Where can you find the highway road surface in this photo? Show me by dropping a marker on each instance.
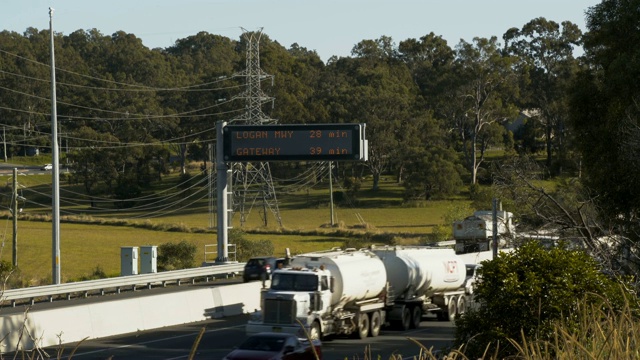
(221, 335)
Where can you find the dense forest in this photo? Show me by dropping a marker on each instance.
(434, 112)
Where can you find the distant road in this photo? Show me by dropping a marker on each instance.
(6, 169)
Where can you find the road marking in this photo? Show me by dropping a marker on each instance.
(151, 342)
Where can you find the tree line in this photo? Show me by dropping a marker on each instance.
(424, 103)
(434, 113)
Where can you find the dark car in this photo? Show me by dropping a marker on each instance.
(259, 268)
(276, 346)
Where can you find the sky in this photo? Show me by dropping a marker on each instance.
(330, 27)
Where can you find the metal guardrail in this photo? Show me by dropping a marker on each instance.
(50, 291)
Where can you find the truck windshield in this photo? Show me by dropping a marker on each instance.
(294, 282)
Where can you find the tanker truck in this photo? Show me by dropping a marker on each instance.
(357, 292)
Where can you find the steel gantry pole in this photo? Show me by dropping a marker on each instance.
(222, 196)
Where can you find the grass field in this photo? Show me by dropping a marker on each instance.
(84, 247)
(305, 227)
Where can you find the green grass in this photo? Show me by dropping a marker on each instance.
(305, 226)
(84, 247)
(31, 160)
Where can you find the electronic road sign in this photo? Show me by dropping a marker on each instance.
(316, 142)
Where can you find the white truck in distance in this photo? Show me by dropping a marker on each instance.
(356, 292)
(475, 233)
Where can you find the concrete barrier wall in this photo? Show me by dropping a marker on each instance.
(73, 323)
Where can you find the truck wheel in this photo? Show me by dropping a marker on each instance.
(406, 319)
(363, 326)
(452, 309)
(416, 317)
(374, 330)
(314, 331)
(461, 305)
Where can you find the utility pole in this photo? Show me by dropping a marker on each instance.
(4, 141)
(212, 198)
(55, 202)
(331, 190)
(495, 228)
(14, 211)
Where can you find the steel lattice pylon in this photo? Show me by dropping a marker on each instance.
(252, 183)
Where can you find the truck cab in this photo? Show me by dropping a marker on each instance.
(296, 296)
(325, 293)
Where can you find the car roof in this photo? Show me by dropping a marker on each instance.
(263, 257)
(273, 335)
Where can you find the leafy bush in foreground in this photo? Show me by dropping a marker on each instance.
(525, 293)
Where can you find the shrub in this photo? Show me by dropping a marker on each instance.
(125, 189)
(97, 273)
(454, 212)
(352, 185)
(524, 293)
(603, 331)
(246, 249)
(354, 242)
(178, 256)
(186, 181)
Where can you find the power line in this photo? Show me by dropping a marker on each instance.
(136, 87)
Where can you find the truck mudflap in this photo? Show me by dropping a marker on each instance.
(255, 327)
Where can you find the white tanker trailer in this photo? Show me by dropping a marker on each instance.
(356, 292)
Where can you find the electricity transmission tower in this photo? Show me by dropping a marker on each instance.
(252, 183)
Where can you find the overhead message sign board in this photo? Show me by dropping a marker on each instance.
(319, 142)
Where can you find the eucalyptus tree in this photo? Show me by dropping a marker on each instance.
(373, 87)
(25, 91)
(606, 113)
(296, 72)
(122, 100)
(94, 159)
(482, 94)
(202, 89)
(430, 60)
(545, 52)
(432, 168)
